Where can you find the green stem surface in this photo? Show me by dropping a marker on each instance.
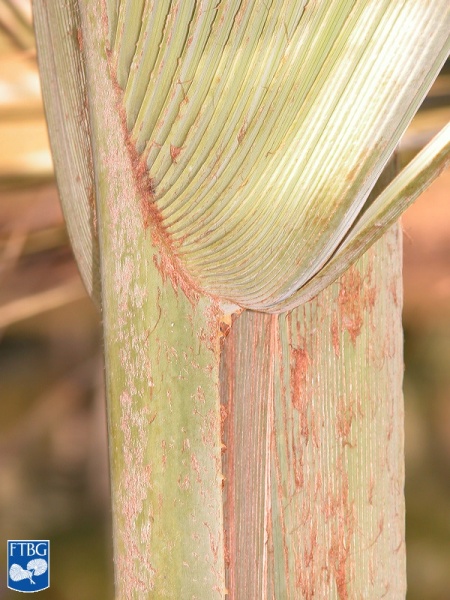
(161, 354)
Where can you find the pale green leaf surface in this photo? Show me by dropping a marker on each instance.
(264, 126)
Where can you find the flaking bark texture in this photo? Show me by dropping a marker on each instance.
(313, 429)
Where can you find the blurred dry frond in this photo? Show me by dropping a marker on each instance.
(31, 223)
(16, 23)
(24, 146)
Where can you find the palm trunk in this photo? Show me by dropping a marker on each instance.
(252, 456)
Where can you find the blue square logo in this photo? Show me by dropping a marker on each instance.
(28, 565)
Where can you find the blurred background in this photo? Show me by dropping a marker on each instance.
(53, 457)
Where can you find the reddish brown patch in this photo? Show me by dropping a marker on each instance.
(93, 207)
(338, 556)
(224, 331)
(339, 552)
(175, 152)
(298, 375)
(146, 205)
(224, 328)
(226, 552)
(335, 335)
(223, 418)
(144, 183)
(299, 369)
(344, 418)
(298, 465)
(341, 534)
(371, 296)
(393, 288)
(80, 39)
(219, 326)
(196, 467)
(350, 304)
(242, 132)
